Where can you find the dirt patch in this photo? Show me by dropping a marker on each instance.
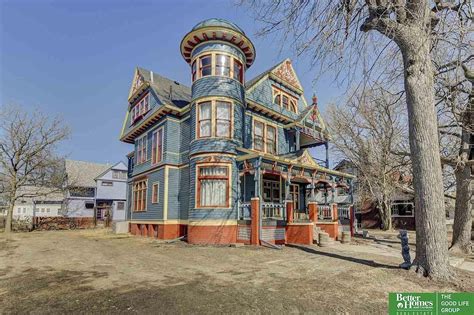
(96, 272)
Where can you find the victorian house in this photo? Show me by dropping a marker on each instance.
(227, 160)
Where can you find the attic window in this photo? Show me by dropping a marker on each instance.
(140, 108)
(285, 100)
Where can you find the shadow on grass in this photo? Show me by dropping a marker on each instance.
(366, 262)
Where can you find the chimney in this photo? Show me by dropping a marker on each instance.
(151, 76)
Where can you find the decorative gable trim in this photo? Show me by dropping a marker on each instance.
(306, 159)
(137, 84)
(287, 75)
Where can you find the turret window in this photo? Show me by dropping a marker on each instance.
(238, 71)
(213, 186)
(217, 64)
(214, 119)
(205, 119)
(223, 65)
(223, 119)
(205, 67)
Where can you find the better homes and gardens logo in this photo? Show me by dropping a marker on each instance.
(431, 303)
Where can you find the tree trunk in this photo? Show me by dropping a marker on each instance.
(462, 213)
(385, 215)
(9, 221)
(431, 234)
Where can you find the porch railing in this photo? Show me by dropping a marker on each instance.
(324, 212)
(343, 212)
(298, 215)
(244, 211)
(273, 210)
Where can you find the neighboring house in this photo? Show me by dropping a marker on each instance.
(38, 202)
(112, 192)
(226, 160)
(81, 187)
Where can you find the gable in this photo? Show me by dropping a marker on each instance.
(285, 73)
(137, 82)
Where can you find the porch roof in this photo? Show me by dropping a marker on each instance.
(302, 160)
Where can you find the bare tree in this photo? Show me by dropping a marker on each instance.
(335, 33)
(28, 143)
(366, 131)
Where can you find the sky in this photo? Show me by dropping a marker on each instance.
(76, 59)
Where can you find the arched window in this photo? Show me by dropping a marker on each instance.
(277, 99)
(293, 106)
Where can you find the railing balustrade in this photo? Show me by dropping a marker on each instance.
(343, 212)
(300, 215)
(273, 210)
(244, 211)
(324, 212)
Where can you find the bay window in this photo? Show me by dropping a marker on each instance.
(157, 146)
(213, 186)
(214, 119)
(139, 195)
(204, 119)
(264, 137)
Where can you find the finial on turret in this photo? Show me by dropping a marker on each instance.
(315, 99)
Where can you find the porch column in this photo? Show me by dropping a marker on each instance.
(255, 208)
(313, 211)
(255, 215)
(335, 216)
(288, 199)
(289, 211)
(351, 219)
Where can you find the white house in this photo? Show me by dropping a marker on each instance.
(81, 187)
(38, 202)
(111, 191)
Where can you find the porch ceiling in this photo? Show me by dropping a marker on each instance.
(250, 155)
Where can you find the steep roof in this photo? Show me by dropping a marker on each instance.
(120, 166)
(169, 91)
(82, 174)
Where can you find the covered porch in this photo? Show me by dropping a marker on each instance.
(276, 192)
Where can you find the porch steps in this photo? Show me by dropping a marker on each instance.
(321, 238)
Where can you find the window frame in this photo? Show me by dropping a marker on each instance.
(107, 183)
(274, 139)
(233, 73)
(292, 104)
(157, 145)
(139, 189)
(142, 148)
(223, 66)
(229, 120)
(201, 67)
(227, 178)
(213, 119)
(155, 194)
(265, 137)
(140, 108)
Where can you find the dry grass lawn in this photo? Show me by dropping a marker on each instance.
(91, 271)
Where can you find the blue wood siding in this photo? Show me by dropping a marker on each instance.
(218, 86)
(154, 211)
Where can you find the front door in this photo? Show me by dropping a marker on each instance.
(295, 195)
